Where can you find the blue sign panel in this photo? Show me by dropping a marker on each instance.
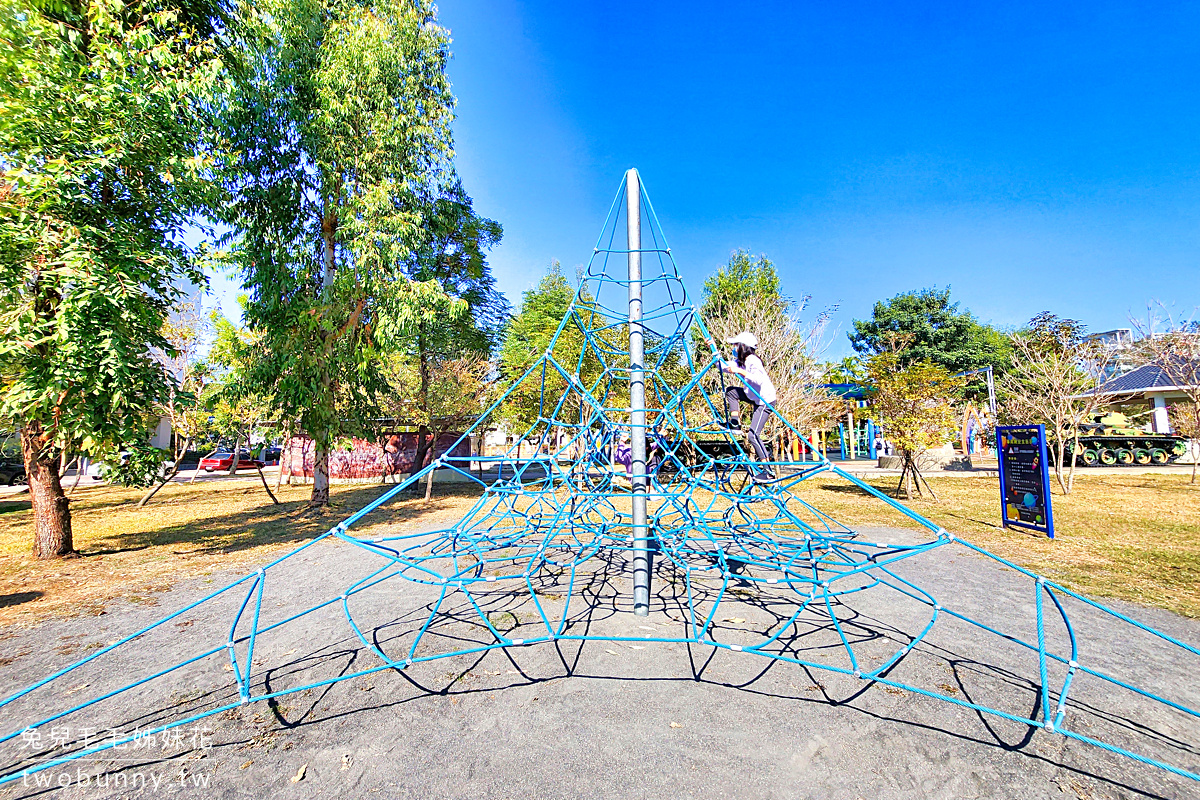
(1024, 478)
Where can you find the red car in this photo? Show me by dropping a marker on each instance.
(225, 460)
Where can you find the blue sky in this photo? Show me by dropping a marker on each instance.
(1030, 159)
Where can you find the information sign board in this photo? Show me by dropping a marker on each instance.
(1024, 478)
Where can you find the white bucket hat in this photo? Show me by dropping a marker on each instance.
(745, 337)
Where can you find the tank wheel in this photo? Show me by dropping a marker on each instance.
(1088, 457)
(1125, 456)
(1141, 456)
(1158, 456)
(1107, 457)
(1179, 448)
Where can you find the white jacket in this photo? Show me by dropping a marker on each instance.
(759, 380)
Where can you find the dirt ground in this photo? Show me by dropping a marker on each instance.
(606, 718)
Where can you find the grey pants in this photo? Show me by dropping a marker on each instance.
(762, 412)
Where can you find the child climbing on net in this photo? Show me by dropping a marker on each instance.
(749, 367)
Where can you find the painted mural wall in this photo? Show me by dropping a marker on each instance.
(365, 459)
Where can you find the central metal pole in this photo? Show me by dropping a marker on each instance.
(637, 398)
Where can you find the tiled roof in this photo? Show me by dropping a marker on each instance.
(1142, 379)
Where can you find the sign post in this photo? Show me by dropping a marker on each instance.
(1024, 478)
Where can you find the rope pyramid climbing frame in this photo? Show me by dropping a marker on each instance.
(680, 536)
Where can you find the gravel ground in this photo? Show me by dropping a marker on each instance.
(605, 719)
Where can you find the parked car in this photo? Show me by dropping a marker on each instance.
(224, 460)
(12, 471)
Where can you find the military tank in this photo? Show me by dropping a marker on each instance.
(1111, 439)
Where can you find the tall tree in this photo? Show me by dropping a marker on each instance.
(746, 294)
(341, 136)
(935, 330)
(451, 351)
(101, 127)
(529, 335)
(1056, 378)
(743, 277)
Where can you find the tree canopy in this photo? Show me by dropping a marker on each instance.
(529, 334)
(746, 294)
(103, 159)
(929, 327)
(339, 135)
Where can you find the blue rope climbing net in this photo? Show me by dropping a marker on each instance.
(552, 533)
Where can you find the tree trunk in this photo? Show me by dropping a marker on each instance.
(197, 472)
(1059, 446)
(78, 475)
(320, 491)
(423, 445)
(429, 485)
(329, 226)
(906, 477)
(267, 487)
(1071, 469)
(51, 508)
(288, 446)
(233, 462)
(170, 475)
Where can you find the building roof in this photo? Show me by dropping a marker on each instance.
(1148, 378)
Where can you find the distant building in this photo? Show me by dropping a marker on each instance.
(1118, 345)
(1152, 384)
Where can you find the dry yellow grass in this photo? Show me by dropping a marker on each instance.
(1134, 537)
(132, 553)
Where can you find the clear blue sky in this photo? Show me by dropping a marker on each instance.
(1029, 158)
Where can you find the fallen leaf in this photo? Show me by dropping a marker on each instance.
(613, 652)
(345, 761)
(647, 627)
(676, 725)
(636, 647)
(512, 672)
(289, 652)
(489, 672)
(78, 688)
(735, 620)
(229, 668)
(299, 776)
(245, 764)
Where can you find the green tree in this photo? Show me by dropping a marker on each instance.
(914, 402)
(185, 331)
(746, 294)
(444, 353)
(439, 395)
(932, 328)
(236, 408)
(341, 139)
(742, 277)
(1056, 378)
(102, 159)
(528, 337)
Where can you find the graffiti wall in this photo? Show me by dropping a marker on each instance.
(393, 455)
